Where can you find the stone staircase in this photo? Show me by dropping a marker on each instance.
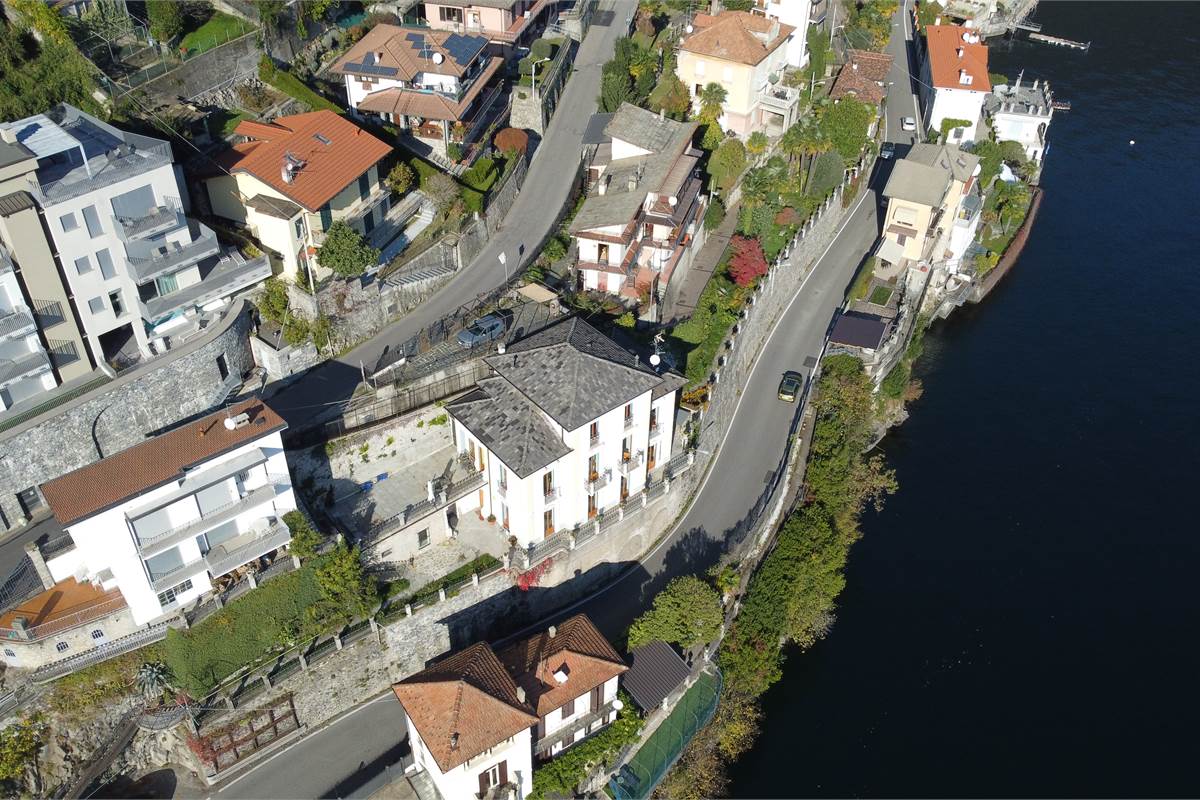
(422, 784)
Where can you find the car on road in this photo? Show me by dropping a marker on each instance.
(481, 331)
(908, 124)
(790, 386)
(887, 150)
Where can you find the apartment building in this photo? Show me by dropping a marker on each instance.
(478, 719)
(954, 80)
(795, 13)
(568, 428)
(927, 197)
(135, 275)
(747, 55)
(643, 219)
(437, 86)
(290, 179)
(503, 22)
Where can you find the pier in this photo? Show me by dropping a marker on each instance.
(1058, 41)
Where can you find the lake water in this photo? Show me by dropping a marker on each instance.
(1021, 618)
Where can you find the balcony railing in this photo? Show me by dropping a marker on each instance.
(62, 352)
(161, 218)
(587, 722)
(597, 481)
(48, 313)
(60, 624)
(149, 264)
(628, 421)
(594, 440)
(255, 497)
(23, 366)
(655, 430)
(630, 463)
(16, 323)
(242, 549)
(780, 98)
(551, 495)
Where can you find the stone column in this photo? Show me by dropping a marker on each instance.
(39, 564)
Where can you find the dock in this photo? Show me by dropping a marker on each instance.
(1058, 41)
(1061, 105)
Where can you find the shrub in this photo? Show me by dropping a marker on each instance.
(561, 776)
(748, 263)
(714, 215)
(896, 381)
(305, 538)
(687, 612)
(345, 251)
(401, 177)
(827, 171)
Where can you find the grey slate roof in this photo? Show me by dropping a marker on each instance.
(665, 138)
(958, 163)
(573, 372)
(655, 670)
(12, 153)
(595, 133)
(274, 206)
(856, 329)
(508, 425)
(917, 182)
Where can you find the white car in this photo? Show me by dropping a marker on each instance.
(908, 124)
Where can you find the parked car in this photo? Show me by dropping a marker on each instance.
(790, 386)
(481, 331)
(908, 124)
(887, 150)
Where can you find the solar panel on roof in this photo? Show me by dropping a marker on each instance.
(461, 48)
(417, 40)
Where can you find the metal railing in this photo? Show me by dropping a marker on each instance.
(159, 262)
(52, 627)
(257, 496)
(566, 734)
(104, 652)
(550, 495)
(23, 366)
(167, 215)
(141, 158)
(17, 322)
(630, 464)
(221, 561)
(48, 313)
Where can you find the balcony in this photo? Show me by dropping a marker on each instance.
(48, 313)
(551, 495)
(502, 490)
(62, 352)
(780, 99)
(655, 430)
(590, 722)
(149, 263)
(162, 218)
(594, 440)
(630, 463)
(231, 275)
(215, 517)
(597, 481)
(16, 324)
(628, 422)
(246, 547)
(25, 366)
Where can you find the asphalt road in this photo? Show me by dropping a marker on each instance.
(528, 221)
(345, 750)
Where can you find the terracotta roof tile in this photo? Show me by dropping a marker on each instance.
(64, 605)
(154, 462)
(409, 52)
(950, 54)
(328, 168)
(853, 83)
(428, 105)
(577, 649)
(873, 66)
(464, 704)
(736, 36)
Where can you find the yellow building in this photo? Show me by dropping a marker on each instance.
(743, 53)
(289, 180)
(923, 193)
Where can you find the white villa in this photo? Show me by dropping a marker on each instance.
(569, 426)
(1021, 113)
(954, 80)
(477, 720)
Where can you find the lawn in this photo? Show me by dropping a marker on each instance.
(295, 88)
(862, 281)
(223, 122)
(701, 336)
(216, 31)
(880, 295)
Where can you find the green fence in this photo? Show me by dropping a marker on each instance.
(637, 779)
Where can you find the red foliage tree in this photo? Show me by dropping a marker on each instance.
(532, 577)
(748, 263)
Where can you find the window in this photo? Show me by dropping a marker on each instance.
(450, 14)
(61, 647)
(222, 366)
(106, 264)
(167, 284)
(698, 90)
(114, 300)
(8, 652)
(68, 222)
(594, 431)
(593, 466)
(503, 478)
(423, 538)
(92, 219)
(592, 508)
(82, 265)
(299, 223)
(548, 483)
(98, 634)
(326, 217)
(653, 418)
(699, 68)
(568, 709)
(364, 186)
(96, 305)
(492, 777)
(548, 522)
(170, 595)
(504, 515)
(626, 449)
(30, 500)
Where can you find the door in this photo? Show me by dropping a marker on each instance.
(592, 508)
(651, 452)
(624, 488)
(597, 695)
(548, 522)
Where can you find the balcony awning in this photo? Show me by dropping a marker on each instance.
(890, 250)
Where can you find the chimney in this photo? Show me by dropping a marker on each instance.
(21, 626)
(521, 693)
(430, 490)
(854, 65)
(1035, 84)
(553, 631)
(454, 741)
(39, 565)
(959, 51)
(632, 183)
(8, 135)
(937, 20)
(602, 187)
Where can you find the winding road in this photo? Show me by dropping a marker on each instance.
(346, 758)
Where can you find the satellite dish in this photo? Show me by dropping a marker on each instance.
(689, 28)
(618, 705)
(230, 424)
(438, 58)
(672, 201)
(655, 360)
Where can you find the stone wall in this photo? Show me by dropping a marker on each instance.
(184, 383)
(506, 194)
(207, 70)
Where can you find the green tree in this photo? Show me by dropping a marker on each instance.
(670, 96)
(757, 143)
(346, 590)
(400, 178)
(615, 89)
(687, 613)
(166, 18)
(712, 99)
(305, 538)
(345, 251)
(36, 76)
(711, 137)
(845, 125)
(273, 303)
(727, 163)
(20, 746)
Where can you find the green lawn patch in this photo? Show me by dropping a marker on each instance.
(216, 31)
(430, 590)
(880, 295)
(862, 281)
(295, 88)
(701, 336)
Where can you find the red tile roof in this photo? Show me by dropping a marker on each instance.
(950, 54)
(64, 605)
(428, 105)
(576, 649)
(390, 46)
(154, 462)
(464, 704)
(736, 36)
(328, 168)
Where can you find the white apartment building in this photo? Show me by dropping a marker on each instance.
(1021, 113)
(141, 275)
(796, 14)
(954, 80)
(162, 520)
(25, 369)
(477, 720)
(569, 426)
(643, 219)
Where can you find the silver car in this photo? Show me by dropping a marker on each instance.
(908, 124)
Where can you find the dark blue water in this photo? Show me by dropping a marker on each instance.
(1022, 618)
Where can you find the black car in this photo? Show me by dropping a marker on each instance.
(887, 150)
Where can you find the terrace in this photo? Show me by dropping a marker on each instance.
(66, 605)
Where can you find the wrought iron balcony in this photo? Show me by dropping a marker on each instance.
(630, 462)
(551, 495)
(597, 481)
(48, 313)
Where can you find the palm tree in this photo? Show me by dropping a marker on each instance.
(152, 679)
(712, 98)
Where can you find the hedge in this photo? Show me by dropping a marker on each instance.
(270, 618)
(429, 590)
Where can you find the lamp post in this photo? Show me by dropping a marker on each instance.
(533, 73)
(504, 263)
